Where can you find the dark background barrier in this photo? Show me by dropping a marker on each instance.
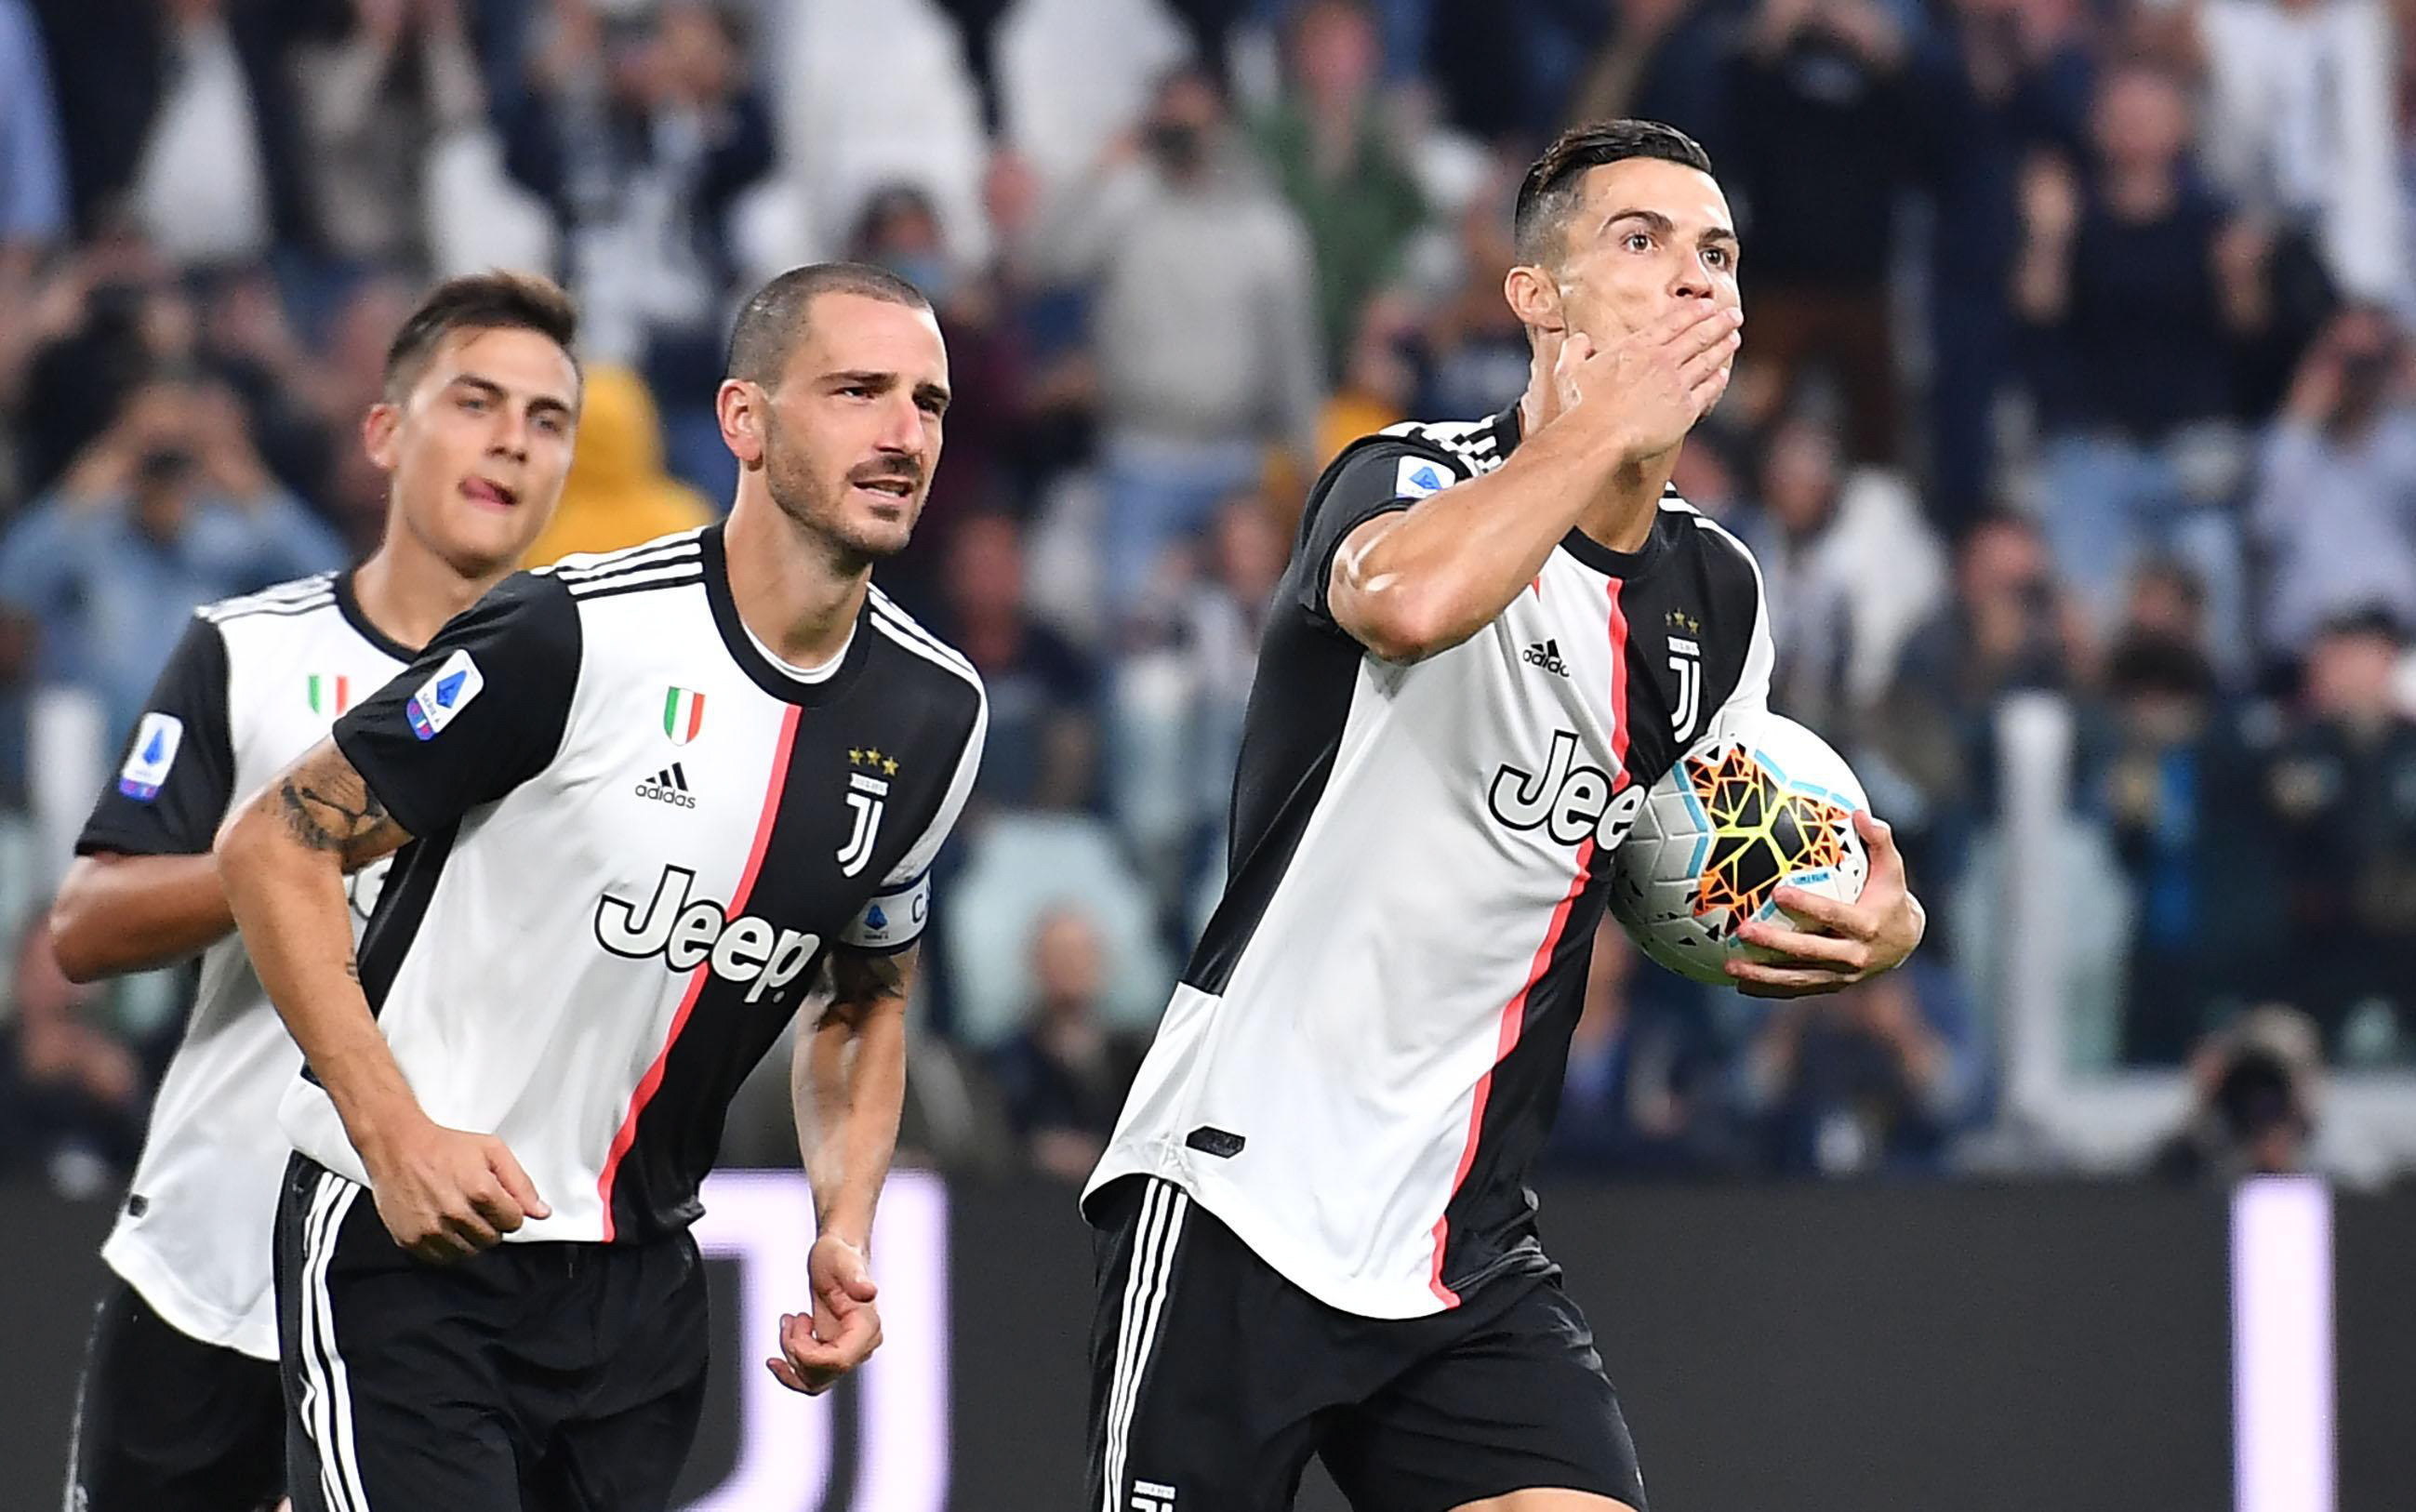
(1908, 1347)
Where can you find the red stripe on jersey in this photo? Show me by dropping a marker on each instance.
(1514, 1019)
(704, 973)
(1618, 690)
(1514, 1013)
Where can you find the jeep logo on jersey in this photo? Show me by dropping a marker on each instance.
(1569, 801)
(690, 934)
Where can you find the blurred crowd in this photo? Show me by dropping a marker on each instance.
(2076, 363)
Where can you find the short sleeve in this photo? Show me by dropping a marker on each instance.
(480, 712)
(894, 917)
(177, 775)
(1368, 480)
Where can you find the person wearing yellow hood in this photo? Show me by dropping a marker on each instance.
(618, 494)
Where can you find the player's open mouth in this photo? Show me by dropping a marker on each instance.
(493, 495)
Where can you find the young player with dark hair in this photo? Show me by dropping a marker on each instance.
(1315, 1236)
(658, 804)
(180, 1407)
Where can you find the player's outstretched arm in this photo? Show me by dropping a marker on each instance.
(442, 1193)
(847, 1081)
(117, 913)
(1413, 583)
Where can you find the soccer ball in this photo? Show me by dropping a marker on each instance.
(1739, 815)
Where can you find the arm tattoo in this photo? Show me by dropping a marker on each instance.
(335, 810)
(860, 979)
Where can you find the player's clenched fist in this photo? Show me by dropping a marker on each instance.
(843, 1329)
(1655, 382)
(445, 1193)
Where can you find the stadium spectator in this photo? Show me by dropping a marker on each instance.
(1849, 567)
(617, 493)
(2335, 504)
(2255, 1086)
(1335, 156)
(1642, 1093)
(1174, 729)
(73, 1095)
(379, 88)
(2177, 790)
(2298, 126)
(216, 173)
(641, 136)
(1042, 751)
(33, 182)
(1998, 78)
(1662, 60)
(1065, 1074)
(102, 319)
(1868, 1081)
(1204, 325)
(2139, 287)
(1475, 354)
(2007, 627)
(2336, 791)
(171, 508)
(1820, 126)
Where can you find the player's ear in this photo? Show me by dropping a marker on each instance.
(380, 431)
(740, 406)
(1534, 298)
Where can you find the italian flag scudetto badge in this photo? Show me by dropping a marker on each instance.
(330, 695)
(683, 714)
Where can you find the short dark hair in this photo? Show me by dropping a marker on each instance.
(491, 301)
(1549, 190)
(772, 322)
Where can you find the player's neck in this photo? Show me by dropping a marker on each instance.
(409, 591)
(1621, 514)
(797, 595)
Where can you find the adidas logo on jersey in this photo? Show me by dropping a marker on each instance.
(1546, 655)
(746, 949)
(669, 785)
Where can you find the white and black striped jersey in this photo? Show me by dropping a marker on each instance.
(636, 837)
(1366, 1049)
(255, 682)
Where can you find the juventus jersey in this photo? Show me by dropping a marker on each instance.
(636, 836)
(255, 682)
(1367, 1048)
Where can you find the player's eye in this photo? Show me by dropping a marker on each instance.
(550, 423)
(1638, 241)
(473, 403)
(930, 406)
(1716, 256)
(857, 392)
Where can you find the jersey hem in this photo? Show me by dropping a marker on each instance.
(139, 1267)
(1266, 1238)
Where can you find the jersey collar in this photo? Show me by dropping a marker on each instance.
(1626, 565)
(741, 645)
(347, 604)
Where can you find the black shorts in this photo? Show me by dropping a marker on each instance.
(165, 1423)
(1214, 1379)
(530, 1378)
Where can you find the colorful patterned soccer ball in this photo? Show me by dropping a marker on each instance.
(1737, 816)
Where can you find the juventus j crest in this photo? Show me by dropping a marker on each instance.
(868, 793)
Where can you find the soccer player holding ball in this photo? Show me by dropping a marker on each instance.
(1495, 637)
